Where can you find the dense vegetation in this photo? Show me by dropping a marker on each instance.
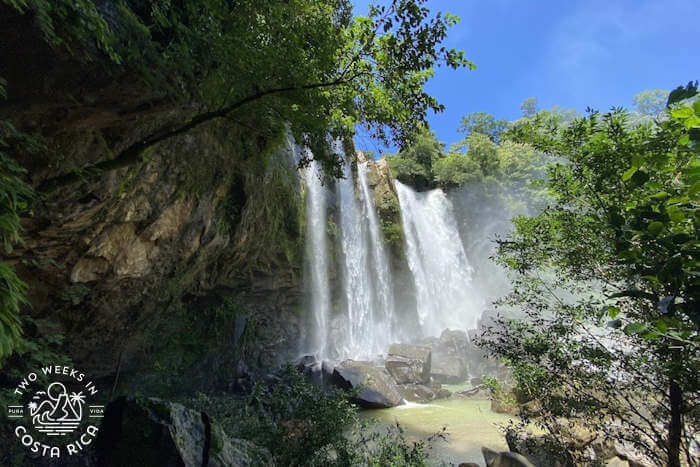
(301, 424)
(607, 274)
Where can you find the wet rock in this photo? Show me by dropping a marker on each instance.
(443, 393)
(417, 392)
(449, 356)
(310, 367)
(378, 388)
(504, 459)
(153, 432)
(408, 363)
(449, 370)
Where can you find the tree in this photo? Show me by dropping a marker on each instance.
(529, 107)
(483, 123)
(650, 102)
(414, 164)
(617, 243)
(308, 66)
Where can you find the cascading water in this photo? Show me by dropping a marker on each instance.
(357, 340)
(317, 254)
(383, 311)
(436, 257)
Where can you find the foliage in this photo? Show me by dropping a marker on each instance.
(301, 424)
(457, 169)
(483, 123)
(651, 101)
(309, 65)
(15, 197)
(618, 242)
(76, 26)
(192, 340)
(414, 164)
(529, 107)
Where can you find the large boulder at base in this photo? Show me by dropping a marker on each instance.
(449, 370)
(408, 363)
(153, 432)
(378, 389)
(449, 356)
(504, 459)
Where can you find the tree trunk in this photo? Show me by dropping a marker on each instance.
(675, 428)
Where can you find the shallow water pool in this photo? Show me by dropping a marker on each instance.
(470, 424)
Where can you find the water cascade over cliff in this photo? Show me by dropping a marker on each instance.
(317, 254)
(383, 303)
(353, 311)
(445, 297)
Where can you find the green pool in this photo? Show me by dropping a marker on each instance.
(470, 424)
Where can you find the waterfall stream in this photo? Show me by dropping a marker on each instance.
(356, 274)
(438, 262)
(383, 310)
(317, 256)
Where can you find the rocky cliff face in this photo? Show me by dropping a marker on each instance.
(202, 239)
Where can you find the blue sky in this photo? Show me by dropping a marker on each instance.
(573, 53)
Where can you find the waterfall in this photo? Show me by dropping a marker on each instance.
(441, 271)
(383, 310)
(357, 339)
(317, 256)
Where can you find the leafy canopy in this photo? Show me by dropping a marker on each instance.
(618, 242)
(308, 66)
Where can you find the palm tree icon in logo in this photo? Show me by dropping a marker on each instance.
(54, 412)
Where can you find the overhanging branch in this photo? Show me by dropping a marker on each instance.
(133, 153)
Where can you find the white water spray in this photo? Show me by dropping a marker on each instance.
(357, 340)
(317, 254)
(436, 257)
(383, 310)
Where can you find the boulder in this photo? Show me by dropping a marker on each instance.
(153, 432)
(449, 356)
(443, 393)
(377, 389)
(310, 367)
(408, 363)
(448, 369)
(417, 392)
(541, 450)
(504, 459)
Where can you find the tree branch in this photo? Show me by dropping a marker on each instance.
(132, 154)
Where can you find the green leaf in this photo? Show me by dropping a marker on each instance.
(692, 122)
(613, 311)
(655, 228)
(660, 195)
(682, 112)
(675, 214)
(640, 177)
(635, 328)
(696, 107)
(694, 190)
(628, 174)
(677, 200)
(661, 325)
(684, 140)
